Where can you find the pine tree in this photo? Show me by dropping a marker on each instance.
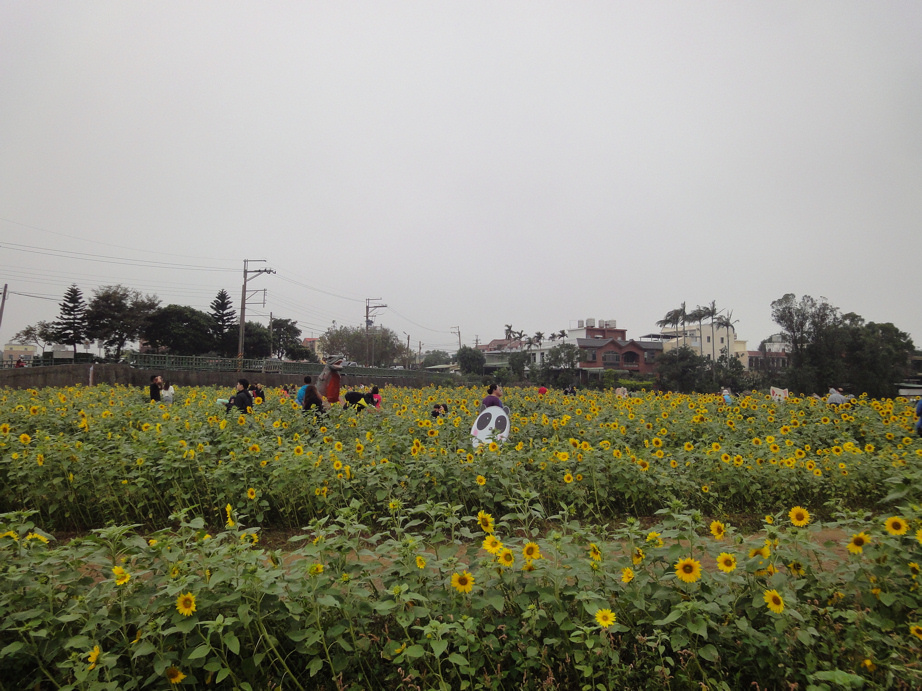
(223, 314)
(70, 328)
(224, 322)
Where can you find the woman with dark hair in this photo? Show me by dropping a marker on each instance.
(493, 397)
(312, 399)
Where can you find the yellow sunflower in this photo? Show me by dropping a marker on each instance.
(481, 480)
(858, 542)
(627, 574)
(726, 562)
(774, 601)
(896, 525)
(420, 562)
(594, 553)
(688, 570)
(251, 493)
(799, 516)
(185, 604)
(505, 557)
(121, 576)
(718, 530)
(531, 551)
(174, 676)
(485, 521)
(92, 657)
(604, 618)
(491, 544)
(462, 582)
(916, 631)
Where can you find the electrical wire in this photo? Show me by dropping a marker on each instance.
(124, 261)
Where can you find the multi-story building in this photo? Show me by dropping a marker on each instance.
(707, 340)
(602, 347)
(13, 351)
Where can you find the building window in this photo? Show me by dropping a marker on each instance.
(709, 339)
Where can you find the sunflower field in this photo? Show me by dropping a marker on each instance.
(657, 541)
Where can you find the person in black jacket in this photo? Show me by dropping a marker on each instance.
(242, 400)
(156, 381)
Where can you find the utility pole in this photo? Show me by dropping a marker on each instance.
(243, 304)
(457, 329)
(3, 302)
(408, 348)
(271, 349)
(369, 311)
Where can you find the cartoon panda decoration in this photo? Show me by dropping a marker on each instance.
(492, 424)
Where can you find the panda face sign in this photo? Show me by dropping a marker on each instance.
(491, 425)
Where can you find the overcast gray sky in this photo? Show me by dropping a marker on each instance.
(471, 164)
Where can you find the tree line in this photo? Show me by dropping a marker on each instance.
(117, 315)
(825, 348)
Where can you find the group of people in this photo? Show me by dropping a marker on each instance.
(161, 391)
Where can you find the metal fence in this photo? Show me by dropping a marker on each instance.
(263, 365)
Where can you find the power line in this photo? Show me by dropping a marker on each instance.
(99, 242)
(440, 331)
(124, 261)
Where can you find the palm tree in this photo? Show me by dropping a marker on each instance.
(562, 333)
(538, 337)
(672, 319)
(509, 332)
(712, 315)
(726, 321)
(683, 316)
(699, 314)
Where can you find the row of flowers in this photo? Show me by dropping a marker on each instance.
(468, 601)
(86, 457)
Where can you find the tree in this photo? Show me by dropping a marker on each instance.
(286, 337)
(877, 357)
(117, 315)
(509, 332)
(70, 328)
(538, 339)
(382, 344)
(471, 360)
(433, 358)
(682, 370)
(564, 356)
(179, 329)
(699, 314)
(517, 364)
(40, 334)
(256, 342)
(225, 327)
(814, 330)
(672, 319)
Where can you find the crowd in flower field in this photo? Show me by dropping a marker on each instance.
(653, 541)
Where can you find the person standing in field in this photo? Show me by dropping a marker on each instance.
(156, 381)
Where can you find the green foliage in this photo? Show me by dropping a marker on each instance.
(256, 342)
(517, 363)
(435, 357)
(829, 349)
(180, 330)
(117, 315)
(286, 337)
(376, 347)
(70, 328)
(470, 360)
(384, 509)
(683, 370)
(40, 334)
